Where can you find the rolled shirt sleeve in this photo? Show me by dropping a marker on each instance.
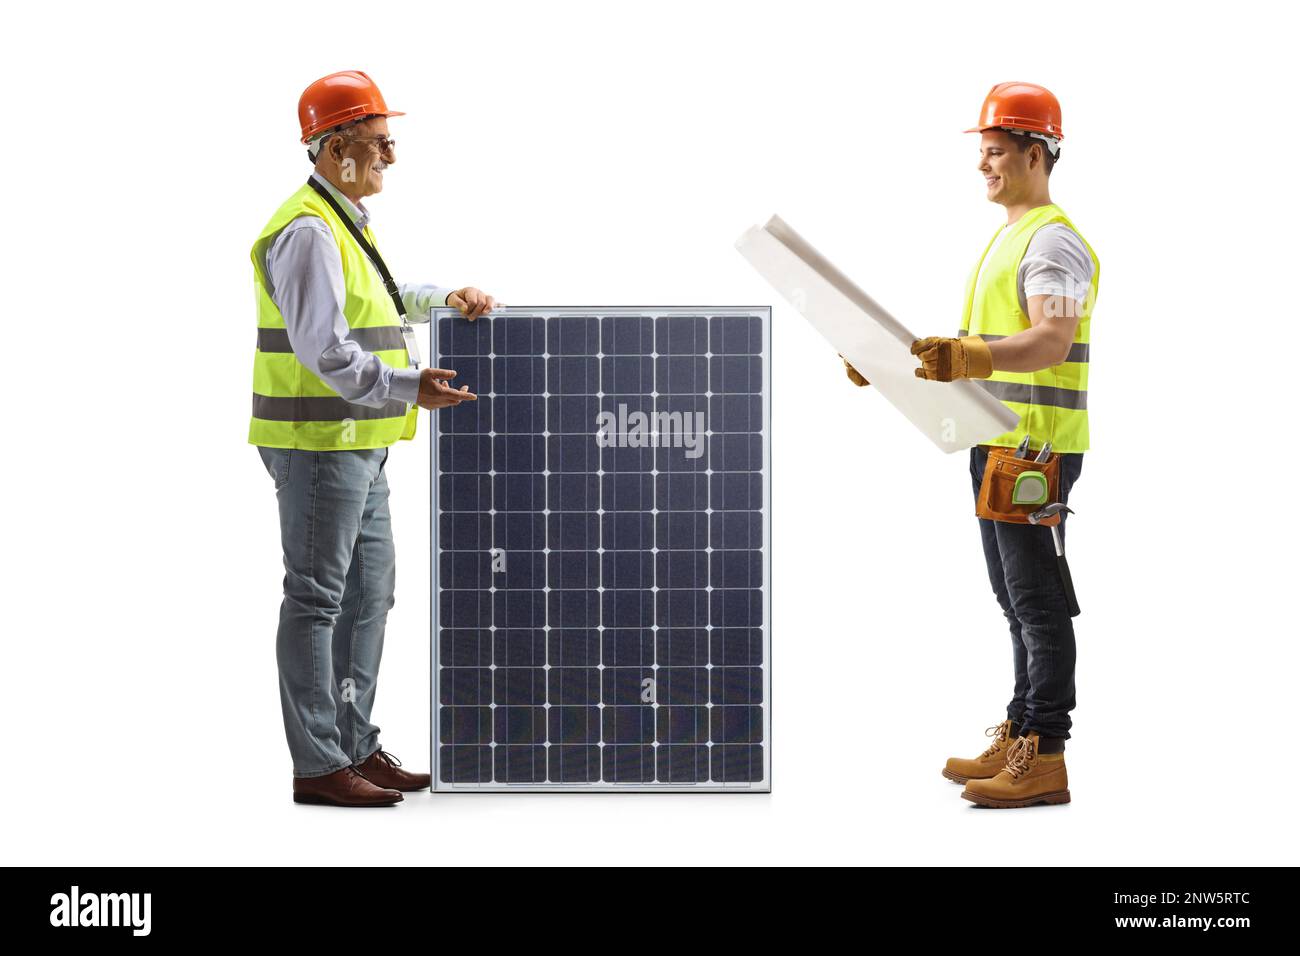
(1056, 262)
(419, 298)
(306, 273)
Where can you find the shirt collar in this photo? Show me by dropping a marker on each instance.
(357, 212)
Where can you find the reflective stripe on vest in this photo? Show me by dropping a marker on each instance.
(292, 406)
(371, 340)
(302, 409)
(1052, 402)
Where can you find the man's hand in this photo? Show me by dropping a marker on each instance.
(472, 302)
(854, 375)
(436, 393)
(946, 360)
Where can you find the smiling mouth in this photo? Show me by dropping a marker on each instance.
(992, 180)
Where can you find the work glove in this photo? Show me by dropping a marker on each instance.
(946, 360)
(854, 375)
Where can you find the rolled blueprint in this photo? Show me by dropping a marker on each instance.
(953, 415)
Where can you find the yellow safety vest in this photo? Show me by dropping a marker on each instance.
(1052, 402)
(292, 407)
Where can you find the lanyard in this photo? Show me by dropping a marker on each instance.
(408, 333)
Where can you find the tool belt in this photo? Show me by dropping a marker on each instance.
(1013, 488)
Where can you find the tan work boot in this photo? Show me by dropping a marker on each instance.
(1028, 778)
(987, 764)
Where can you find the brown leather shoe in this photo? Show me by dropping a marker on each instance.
(343, 788)
(384, 770)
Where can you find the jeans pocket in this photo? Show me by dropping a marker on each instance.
(277, 464)
(286, 457)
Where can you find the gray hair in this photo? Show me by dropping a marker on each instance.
(317, 142)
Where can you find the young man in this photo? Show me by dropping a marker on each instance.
(335, 382)
(1024, 336)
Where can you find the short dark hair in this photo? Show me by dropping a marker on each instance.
(1024, 142)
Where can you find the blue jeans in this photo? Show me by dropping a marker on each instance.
(1021, 561)
(338, 587)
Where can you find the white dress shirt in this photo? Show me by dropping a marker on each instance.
(305, 269)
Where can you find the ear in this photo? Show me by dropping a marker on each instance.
(321, 163)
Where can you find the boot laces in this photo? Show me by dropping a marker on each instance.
(996, 732)
(1020, 757)
(388, 758)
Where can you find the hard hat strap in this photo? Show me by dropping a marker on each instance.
(1053, 144)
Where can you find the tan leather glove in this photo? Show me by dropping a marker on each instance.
(854, 375)
(946, 360)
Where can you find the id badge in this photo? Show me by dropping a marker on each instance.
(412, 346)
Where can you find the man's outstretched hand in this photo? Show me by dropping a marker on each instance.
(472, 302)
(946, 360)
(436, 393)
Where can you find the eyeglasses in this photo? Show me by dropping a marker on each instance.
(382, 143)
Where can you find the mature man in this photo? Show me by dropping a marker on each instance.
(1024, 336)
(336, 379)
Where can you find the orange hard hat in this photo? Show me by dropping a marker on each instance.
(337, 99)
(1022, 106)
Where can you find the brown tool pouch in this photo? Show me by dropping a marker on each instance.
(998, 486)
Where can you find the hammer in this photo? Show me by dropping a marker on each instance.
(1043, 514)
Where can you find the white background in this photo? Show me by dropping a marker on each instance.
(566, 154)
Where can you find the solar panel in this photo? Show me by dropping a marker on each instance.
(601, 551)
